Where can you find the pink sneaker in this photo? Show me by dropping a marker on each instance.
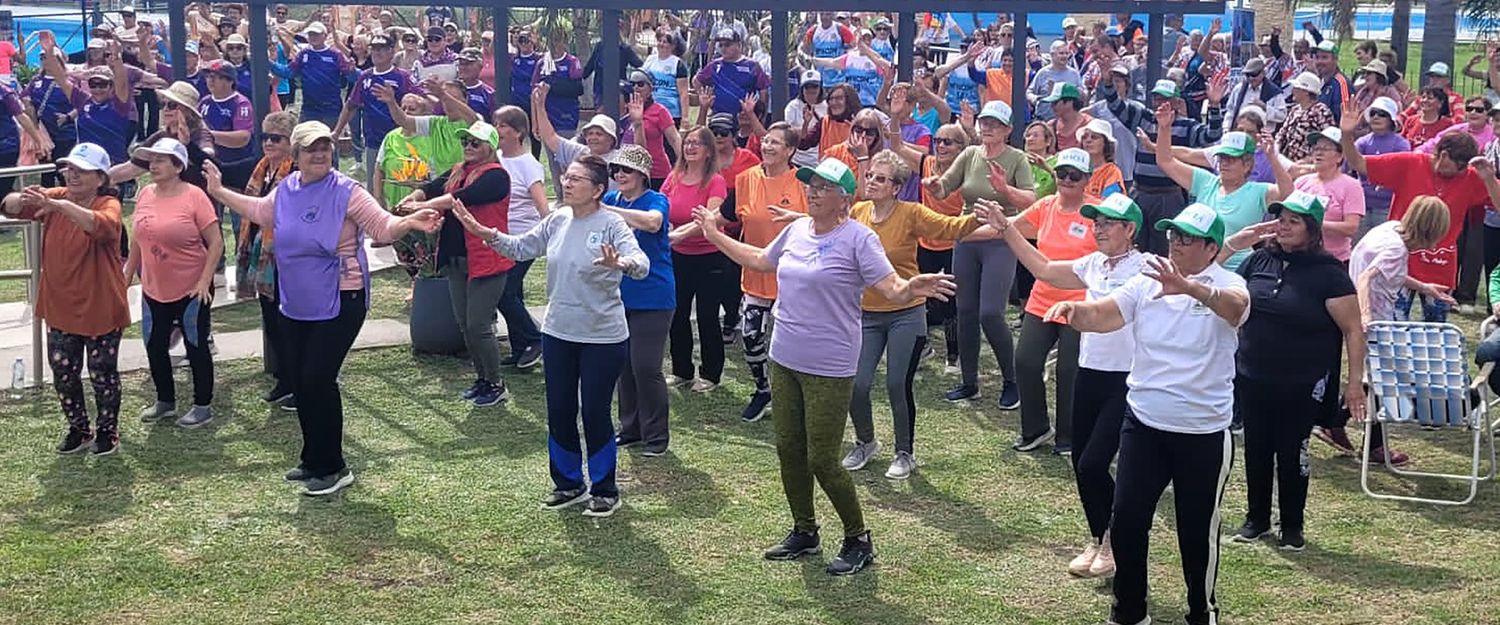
(1395, 459)
(1337, 438)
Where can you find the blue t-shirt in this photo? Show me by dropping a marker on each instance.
(561, 110)
(241, 80)
(733, 81)
(658, 290)
(664, 74)
(377, 118)
(10, 133)
(53, 107)
(321, 72)
(521, 70)
(884, 48)
(481, 99)
(962, 88)
(106, 123)
(232, 113)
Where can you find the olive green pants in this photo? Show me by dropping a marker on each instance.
(809, 413)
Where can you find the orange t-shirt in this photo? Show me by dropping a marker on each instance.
(997, 85)
(1105, 180)
(82, 289)
(1060, 236)
(953, 205)
(833, 133)
(753, 192)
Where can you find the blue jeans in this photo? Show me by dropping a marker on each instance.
(518, 322)
(1433, 310)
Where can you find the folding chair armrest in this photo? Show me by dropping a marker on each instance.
(1481, 381)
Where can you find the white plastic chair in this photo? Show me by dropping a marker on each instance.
(1417, 376)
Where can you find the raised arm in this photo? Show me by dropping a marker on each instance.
(1349, 123)
(541, 121)
(1173, 168)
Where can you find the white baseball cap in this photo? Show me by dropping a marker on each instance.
(315, 27)
(86, 156)
(166, 146)
(996, 110)
(1075, 158)
(811, 76)
(1308, 81)
(1438, 69)
(1069, 22)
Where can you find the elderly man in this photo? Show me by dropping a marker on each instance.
(1058, 71)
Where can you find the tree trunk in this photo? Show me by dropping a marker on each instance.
(1441, 31)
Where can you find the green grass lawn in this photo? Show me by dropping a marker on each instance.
(443, 527)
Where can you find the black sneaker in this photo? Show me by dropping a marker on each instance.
(289, 404)
(105, 445)
(795, 545)
(1291, 540)
(1010, 396)
(756, 409)
(491, 394)
(601, 506)
(857, 553)
(530, 357)
(299, 474)
(655, 451)
(1030, 444)
(277, 393)
(962, 392)
(560, 499)
(473, 391)
(622, 441)
(511, 360)
(328, 484)
(1062, 449)
(74, 442)
(1251, 532)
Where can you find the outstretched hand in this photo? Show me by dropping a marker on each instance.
(212, 175)
(939, 286)
(1173, 282)
(467, 220)
(610, 257)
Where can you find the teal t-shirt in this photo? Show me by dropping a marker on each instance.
(1244, 207)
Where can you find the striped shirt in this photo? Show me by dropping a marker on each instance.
(1186, 132)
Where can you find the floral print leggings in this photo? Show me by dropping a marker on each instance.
(66, 354)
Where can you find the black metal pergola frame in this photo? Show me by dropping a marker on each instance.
(906, 11)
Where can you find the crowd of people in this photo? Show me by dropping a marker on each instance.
(1191, 258)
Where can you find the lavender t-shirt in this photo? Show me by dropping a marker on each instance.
(820, 280)
(1382, 250)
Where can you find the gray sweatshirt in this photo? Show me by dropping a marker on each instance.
(583, 299)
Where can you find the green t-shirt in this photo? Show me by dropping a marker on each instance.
(1042, 177)
(436, 142)
(1244, 207)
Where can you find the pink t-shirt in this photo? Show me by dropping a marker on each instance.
(364, 214)
(683, 199)
(7, 52)
(1343, 197)
(1383, 250)
(169, 231)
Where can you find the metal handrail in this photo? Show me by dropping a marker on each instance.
(32, 245)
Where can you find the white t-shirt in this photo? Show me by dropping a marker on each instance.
(1382, 249)
(795, 116)
(524, 171)
(1110, 351)
(1182, 379)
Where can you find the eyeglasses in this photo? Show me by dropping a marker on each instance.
(471, 142)
(1180, 238)
(170, 106)
(1070, 174)
(945, 142)
(409, 40)
(880, 178)
(866, 130)
(98, 84)
(273, 138)
(577, 179)
(1101, 222)
(822, 189)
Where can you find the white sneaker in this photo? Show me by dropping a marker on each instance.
(1080, 565)
(703, 386)
(902, 467)
(861, 455)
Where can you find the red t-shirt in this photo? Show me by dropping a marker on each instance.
(656, 120)
(1410, 174)
(682, 199)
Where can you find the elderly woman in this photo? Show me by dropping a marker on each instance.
(1384, 120)
(652, 126)
(1097, 139)
(586, 335)
(1098, 399)
(1238, 200)
(476, 274)
(1343, 200)
(897, 329)
(1476, 123)
(321, 218)
(256, 250)
(822, 266)
(175, 248)
(1303, 314)
(1305, 116)
(600, 136)
(701, 270)
(180, 120)
(649, 303)
(985, 267)
(1434, 115)
(82, 292)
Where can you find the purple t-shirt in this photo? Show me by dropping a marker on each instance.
(322, 74)
(104, 123)
(821, 279)
(481, 99)
(733, 81)
(232, 113)
(561, 110)
(10, 135)
(1378, 198)
(912, 133)
(378, 122)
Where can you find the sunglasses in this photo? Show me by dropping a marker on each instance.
(432, 39)
(945, 142)
(880, 178)
(1070, 174)
(98, 84)
(615, 170)
(409, 40)
(722, 132)
(640, 84)
(1252, 74)
(170, 106)
(272, 137)
(1476, 109)
(866, 130)
(470, 142)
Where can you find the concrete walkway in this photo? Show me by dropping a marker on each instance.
(15, 330)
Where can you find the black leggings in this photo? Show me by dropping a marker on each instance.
(940, 313)
(315, 351)
(1098, 410)
(703, 281)
(1278, 421)
(192, 316)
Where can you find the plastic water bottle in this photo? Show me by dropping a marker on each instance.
(18, 379)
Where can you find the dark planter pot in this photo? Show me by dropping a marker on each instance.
(433, 327)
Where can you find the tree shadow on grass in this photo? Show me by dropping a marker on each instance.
(79, 491)
(359, 532)
(854, 599)
(968, 523)
(1365, 570)
(611, 546)
(1343, 473)
(689, 491)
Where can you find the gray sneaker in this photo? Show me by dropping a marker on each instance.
(196, 417)
(901, 467)
(158, 411)
(861, 455)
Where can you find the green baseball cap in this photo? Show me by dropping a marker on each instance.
(1166, 88)
(1063, 91)
(483, 132)
(1302, 203)
(1234, 144)
(832, 170)
(1116, 206)
(1196, 220)
(1327, 45)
